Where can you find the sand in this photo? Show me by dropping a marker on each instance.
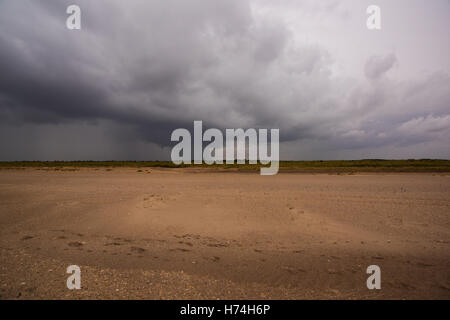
(198, 234)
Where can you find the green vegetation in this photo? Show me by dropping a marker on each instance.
(334, 166)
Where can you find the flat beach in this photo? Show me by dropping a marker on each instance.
(163, 233)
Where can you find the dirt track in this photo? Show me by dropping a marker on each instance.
(178, 233)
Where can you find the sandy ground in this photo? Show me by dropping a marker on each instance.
(186, 234)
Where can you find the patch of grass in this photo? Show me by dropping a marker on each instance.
(333, 166)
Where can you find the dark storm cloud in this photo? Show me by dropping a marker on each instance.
(114, 70)
(139, 69)
(157, 65)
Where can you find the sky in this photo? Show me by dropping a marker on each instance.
(138, 69)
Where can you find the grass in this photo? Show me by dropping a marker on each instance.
(333, 166)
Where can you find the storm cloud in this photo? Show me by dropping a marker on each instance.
(139, 69)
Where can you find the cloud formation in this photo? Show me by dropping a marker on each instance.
(139, 69)
(376, 66)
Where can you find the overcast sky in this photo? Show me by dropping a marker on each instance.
(139, 69)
